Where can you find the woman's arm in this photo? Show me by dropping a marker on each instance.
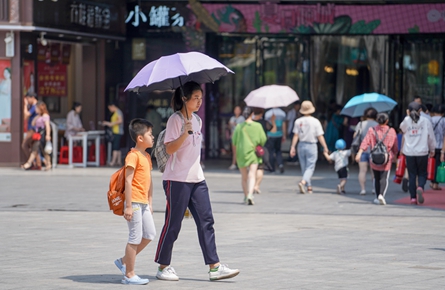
(323, 143)
(48, 129)
(173, 146)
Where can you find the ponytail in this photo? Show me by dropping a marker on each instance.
(415, 116)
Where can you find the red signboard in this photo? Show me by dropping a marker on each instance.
(51, 79)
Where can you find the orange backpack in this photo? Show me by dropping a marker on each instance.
(116, 194)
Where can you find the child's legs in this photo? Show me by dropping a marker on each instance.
(251, 178)
(201, 210)
(134, 239)
(244, 176)
(178, 197)
(343, 183)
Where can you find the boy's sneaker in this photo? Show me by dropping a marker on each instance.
(413, 201)
(343, 192)
(222, 272)
(419, 193)
(120, 266)
(168, 274)
(405, 184)
(363, 192)
(381, 199)
(135, 280)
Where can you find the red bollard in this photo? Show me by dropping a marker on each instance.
(431, 169)
(400, 169)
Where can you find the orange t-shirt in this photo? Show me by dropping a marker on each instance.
(142, 175)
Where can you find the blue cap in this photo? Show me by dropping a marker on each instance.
(340, 144)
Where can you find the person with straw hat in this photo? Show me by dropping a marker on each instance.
(307, 132)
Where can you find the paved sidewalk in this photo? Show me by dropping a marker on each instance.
(57, 233)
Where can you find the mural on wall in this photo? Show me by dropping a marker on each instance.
(318, 19)
(5, 100)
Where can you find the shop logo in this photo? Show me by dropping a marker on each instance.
(435, 15)
(137, 13)
(160, 16)
(92, 16)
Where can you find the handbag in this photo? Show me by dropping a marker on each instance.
(440, 173)
(259, 150)
(36, 136)
(48, 147)
(357, 140)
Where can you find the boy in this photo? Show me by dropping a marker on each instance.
(138, 200)
(340, 157)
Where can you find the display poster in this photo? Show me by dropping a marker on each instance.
(28, 77)
(5, 100)
(51, 80)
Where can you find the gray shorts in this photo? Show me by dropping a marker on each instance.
(141, 225)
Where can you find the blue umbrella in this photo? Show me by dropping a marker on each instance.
(356, 106)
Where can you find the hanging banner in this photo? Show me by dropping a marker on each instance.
(269, 17)
(51, 80)
(5, 100)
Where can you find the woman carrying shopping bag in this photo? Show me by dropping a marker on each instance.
(419, 143)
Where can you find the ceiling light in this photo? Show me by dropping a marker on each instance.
(42, 39)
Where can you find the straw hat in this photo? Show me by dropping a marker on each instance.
(307, 108)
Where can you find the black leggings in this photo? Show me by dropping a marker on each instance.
(417, 169)
(381, 182)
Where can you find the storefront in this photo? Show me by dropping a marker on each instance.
(328, 53)
(61, 55)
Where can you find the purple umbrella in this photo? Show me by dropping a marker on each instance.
(171, 71)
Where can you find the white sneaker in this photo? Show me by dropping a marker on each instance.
(338, 189)
(363, 192)
(168, 274)
(250, 199)
(232, 167)
(222, 272)
(376, 201)
(135, 280)
(381, 199)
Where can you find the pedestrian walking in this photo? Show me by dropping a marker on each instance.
(138, 209)
(340, 158)
(236, 119)
(291, 116)
(419, 142)
(307, 132)
(388, 138)
(258, 116)
(362, 128)
(29, 113)
(274, 139)
(185, 186)
(438, 119)
(247, 136)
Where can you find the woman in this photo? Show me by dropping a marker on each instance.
(42, 126)
(236, 119)
(381, 172)
(307, 131)
(439, 133)
(247, 136)
(362, 128)
(73, 122)
(334, 130)
(185, 186)
(117, 127)
(258, 116)
(419, 142)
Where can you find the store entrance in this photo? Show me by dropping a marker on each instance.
(256, 61)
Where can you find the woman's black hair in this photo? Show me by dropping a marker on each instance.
(441, 109)
(414, 111)
(382, 118)
(76, 104)
(188, 89)
(370, 113)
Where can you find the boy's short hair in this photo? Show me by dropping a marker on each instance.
(138, 127)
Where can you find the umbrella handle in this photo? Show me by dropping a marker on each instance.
(183, 96)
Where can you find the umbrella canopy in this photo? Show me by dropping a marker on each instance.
(356, 106)
(169, 72)
(271, 96)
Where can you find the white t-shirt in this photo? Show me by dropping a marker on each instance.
(340, 158)
(308, 129)
(184, 165)
(419, 137)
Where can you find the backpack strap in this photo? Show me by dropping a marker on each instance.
(435, 126)
(377, 136)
